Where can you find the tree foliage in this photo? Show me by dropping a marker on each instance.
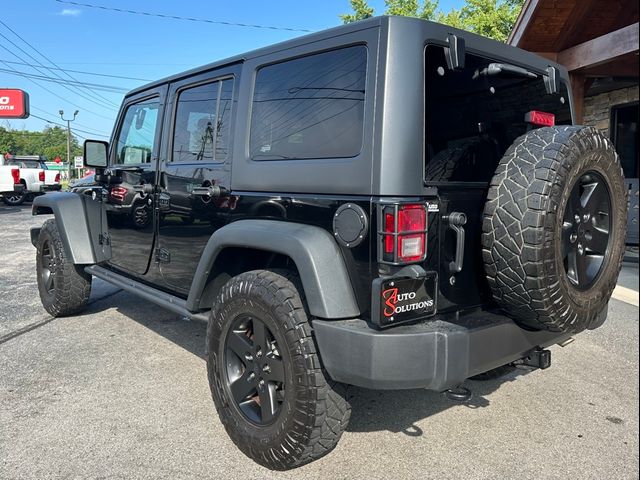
(490, 18)
(51, 142)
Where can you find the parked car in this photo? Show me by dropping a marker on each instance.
(34, 175)
(395, 204)
(126, 205)
(10, 181)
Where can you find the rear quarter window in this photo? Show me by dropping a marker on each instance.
(310, 107)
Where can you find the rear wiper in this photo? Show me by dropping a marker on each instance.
(494, 69)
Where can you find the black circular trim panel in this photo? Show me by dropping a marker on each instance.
(350, 225)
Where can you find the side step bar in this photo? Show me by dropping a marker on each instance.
(163, 299)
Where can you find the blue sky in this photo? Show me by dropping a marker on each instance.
(81, 39)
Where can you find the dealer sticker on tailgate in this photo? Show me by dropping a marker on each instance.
(407, 299)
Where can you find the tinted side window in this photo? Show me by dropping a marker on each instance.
(310, 107)
(202, 125)
(138, 132)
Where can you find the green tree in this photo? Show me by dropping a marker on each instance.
(491, 18)
(361, 10)
(51, 142)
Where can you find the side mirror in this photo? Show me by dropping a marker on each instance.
(95, 153)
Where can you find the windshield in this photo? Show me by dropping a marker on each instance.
(473, 115)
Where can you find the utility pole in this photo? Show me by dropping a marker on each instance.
(68, 120)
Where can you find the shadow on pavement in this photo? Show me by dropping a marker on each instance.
(8, 209)
(372, 410)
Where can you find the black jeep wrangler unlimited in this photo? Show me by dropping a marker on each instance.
(391, 204)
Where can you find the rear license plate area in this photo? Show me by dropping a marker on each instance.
(404, 299)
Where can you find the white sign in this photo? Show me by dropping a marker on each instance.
(78, 162)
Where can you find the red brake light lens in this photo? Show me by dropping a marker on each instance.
(541, 119)
(389, 227)
(41, 175)
(15, 173)
(118, 193)
(57, 179)
(407, 243)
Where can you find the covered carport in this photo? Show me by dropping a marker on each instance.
(598, 44)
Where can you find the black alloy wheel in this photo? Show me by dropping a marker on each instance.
(63, 286)
(585, 230)
(14, 199)
(47, 268)
(255, 373)
(271, 392)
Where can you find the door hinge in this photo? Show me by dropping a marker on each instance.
(162, 255)
(104, 239)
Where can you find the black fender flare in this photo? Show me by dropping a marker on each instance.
(316, 254)
(80, 220)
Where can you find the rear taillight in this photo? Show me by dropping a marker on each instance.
(57, 178)
(118, 193)
(41, 175)
(404, 234)
(15, 173)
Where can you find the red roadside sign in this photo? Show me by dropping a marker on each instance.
(14, 103)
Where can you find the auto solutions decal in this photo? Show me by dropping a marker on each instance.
(406, 299)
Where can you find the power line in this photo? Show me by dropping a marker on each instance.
(63, 82)
(62, 98)
(80, 93)
(45, 112)
(189, 19)
(94, 95)
(80, 71)
(64, 126)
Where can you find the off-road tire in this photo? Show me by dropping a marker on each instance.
(314, 413)
(71, 285)
(523, 221)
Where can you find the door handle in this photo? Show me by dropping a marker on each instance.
(212, 191)
(456, 222)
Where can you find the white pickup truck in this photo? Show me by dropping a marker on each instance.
(35, 176)
(10, 181)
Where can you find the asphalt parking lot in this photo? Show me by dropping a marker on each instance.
(120, 392)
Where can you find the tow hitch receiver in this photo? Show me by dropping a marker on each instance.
(537, 358)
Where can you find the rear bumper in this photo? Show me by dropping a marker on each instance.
(435, 355)
(17, 188)
(50, 187)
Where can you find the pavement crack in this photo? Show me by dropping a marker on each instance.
(23, 330)
(33, 326)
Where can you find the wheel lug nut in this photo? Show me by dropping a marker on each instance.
(248, 357)
(580, 249)
(586, 217)
(261, 383)
(266, 368)
(573, 237)
(577, 218)
(259, 353)
(251, 377)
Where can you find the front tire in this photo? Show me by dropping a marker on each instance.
(270, 390)
(64, 287)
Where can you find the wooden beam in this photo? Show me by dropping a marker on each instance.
(615, 69)
(578, 90)
(522, 23)
(553, 56)
(601, 49)
(574, 21)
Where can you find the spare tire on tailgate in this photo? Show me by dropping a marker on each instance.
(554, 228)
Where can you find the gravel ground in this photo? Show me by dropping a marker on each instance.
(121, 392)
